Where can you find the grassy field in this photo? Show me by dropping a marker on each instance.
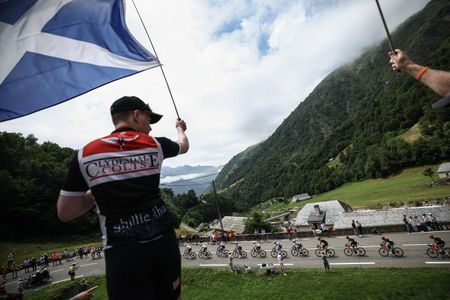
(36, 249)
(405, 187)
(344, 283)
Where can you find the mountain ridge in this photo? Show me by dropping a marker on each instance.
(363, 104)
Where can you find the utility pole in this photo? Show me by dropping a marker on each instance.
(217, 205)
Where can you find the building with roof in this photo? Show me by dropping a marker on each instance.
(444, 170)
(320, 212)
(236, 224)
(388, 217)
(300, 197)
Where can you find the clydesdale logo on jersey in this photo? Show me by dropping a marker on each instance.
(121, 165)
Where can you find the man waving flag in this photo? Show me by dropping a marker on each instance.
(52, 51)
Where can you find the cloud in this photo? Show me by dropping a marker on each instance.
(236, 69)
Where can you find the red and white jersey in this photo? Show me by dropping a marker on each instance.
(122, 170)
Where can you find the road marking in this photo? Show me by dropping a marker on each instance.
(370, 246)
(88, 264)
(437, 262)
(12, 282)
(277, 264)
(355, 263)
(413, 245)
(213, 265)
(66, 279)
(54, 271)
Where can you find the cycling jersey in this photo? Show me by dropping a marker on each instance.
(439, 241)
(323, 243)
(352, 242)
(123, 170)
(389, 241)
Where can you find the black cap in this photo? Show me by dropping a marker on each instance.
(127, 103)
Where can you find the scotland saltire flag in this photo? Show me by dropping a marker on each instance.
(54, 50)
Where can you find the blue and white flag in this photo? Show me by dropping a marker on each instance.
(54, 50)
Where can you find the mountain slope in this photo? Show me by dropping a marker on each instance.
(361, 107)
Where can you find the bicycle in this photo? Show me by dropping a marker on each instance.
(433, 251)
(258, 251)
(189, 254)
(384, 251)
(298, 249)
(328, 252)
(204, 254)
(275, 251)
(222, 252)
(238, 252)
(349, 250)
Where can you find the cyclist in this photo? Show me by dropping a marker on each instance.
(257, 246)
(278, 246)
(221, 246)
(323, 244)
(439, 243)
(297, 244)
(238, 247)
(203, 248)
(388, 243)
(188, 248)
(352, 242)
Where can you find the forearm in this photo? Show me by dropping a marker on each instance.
(70, 208)
(438, 81)
(183, 141)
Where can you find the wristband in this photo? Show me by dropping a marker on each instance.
(421, 72)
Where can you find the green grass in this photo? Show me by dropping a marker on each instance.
(412, 134)
(343, 283)
(408, 186)
(67, 289)
(36, 249)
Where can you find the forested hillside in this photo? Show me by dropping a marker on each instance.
(354, 118)
(31, 175)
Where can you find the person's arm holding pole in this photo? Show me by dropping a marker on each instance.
(182, 138)
(438, 81)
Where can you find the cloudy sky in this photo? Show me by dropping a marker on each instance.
(236, 69)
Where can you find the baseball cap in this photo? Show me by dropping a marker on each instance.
(127, 103)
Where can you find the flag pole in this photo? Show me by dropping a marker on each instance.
(160, 65)
(385, 27)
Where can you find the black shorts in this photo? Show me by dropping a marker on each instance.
(149, 270)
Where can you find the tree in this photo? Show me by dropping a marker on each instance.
(428, 172)
(256, 222)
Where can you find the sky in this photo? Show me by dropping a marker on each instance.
(236, 69)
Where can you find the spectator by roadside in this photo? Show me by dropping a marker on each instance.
(359, 228)
(355, 231)
(408, 226)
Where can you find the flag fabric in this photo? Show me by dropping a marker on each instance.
(54, 50)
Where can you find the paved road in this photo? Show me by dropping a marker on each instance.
(414, 246)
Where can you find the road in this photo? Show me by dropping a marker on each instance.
(414, 246)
